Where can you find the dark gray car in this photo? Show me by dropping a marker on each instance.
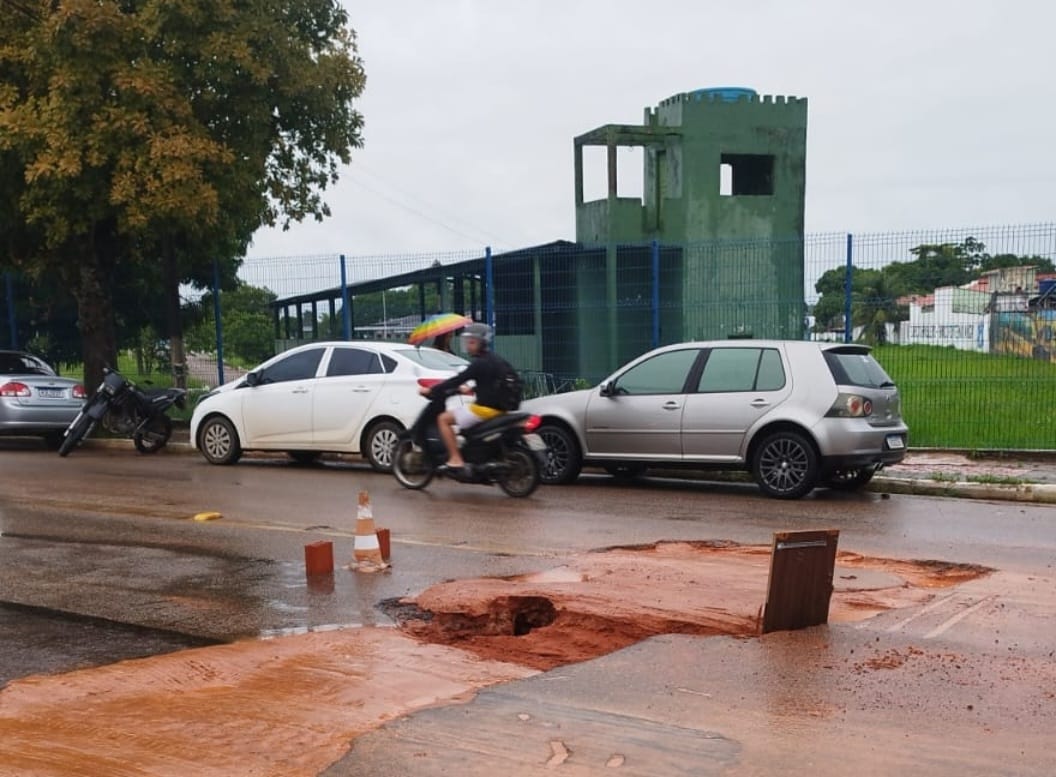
(34, 400)
(795, 414)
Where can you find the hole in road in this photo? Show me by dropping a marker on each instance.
(606, 600)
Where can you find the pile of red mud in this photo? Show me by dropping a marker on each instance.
(604, 601)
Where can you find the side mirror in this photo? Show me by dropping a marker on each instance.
(607, 388)
(253, 379)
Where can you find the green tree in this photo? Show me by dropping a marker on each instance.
(248, 328)
(874, 305)
(874, 293)
(143, 139)
(999, 261)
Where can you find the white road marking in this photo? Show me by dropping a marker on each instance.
(959, 617)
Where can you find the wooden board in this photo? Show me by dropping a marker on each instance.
(801, 569)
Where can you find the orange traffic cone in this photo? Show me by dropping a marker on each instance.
(366, 549)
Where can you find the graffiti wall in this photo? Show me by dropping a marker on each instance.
(1028, 334)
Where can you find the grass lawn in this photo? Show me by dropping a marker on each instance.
(961, 399)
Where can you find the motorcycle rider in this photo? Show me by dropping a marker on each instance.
(485, 369)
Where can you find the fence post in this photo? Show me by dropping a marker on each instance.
(346, 311)
(217, 310)
(655, 252)
(489, 280)
(848, 327)
(12, 321)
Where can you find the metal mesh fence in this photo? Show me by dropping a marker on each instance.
(962, 319)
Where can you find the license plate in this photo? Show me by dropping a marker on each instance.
(47, 393)
(535, 442)
(895, 443)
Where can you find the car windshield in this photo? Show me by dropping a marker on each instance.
(857, 368)
(433, 359)
(22, 364)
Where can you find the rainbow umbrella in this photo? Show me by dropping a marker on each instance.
(434, 326)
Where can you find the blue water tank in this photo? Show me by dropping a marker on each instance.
(730, 94)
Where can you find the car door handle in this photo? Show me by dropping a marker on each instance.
(299, 391)
(671, 406)
(760, 403)
(361, 389)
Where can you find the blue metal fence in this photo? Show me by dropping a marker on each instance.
(963, 319)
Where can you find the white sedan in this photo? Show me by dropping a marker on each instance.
(326, 397)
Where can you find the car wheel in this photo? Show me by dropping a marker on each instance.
(563, 458)
(785, 465)
(379, 446)
(850, 479)
(625, 472)
(53, 440)
(304, 458)
(218, 441)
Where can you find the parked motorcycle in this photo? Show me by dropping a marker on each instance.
(125, 409)
(502, 450)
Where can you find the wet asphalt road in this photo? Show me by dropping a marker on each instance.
(107, 536)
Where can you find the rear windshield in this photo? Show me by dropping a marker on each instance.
(22, 364)
(433, 359)
(857, 368)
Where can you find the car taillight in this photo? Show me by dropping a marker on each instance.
(14, 389)
(532, 423)
(850, 406)
(428, 382)
(79, 392)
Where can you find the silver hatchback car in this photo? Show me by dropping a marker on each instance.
(796, 414)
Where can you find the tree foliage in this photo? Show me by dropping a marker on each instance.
(875, 293)
(248, 329)
(133, 131)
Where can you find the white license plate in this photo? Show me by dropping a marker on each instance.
(894, 442)
(535, 442)
(51, 393)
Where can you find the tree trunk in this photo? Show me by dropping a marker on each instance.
(174, 322)
(95, 315)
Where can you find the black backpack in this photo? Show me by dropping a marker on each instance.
(509, 388)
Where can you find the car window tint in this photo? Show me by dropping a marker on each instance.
(353, 361)
(434, 359)
(22, 364)
(771, 371)
(389, 362)
(729, 369)
(299, 366)
(663, 374)
(856, 369)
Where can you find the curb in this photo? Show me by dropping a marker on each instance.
(1037, 493)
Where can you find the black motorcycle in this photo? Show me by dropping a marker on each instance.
(502, 450)
(125, 409)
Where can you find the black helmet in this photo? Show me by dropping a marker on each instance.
(478, 331)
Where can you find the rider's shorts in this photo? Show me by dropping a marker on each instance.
(470, 415)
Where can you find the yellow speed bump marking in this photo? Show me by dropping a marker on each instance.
(207, 516)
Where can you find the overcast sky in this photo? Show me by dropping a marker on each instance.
(922, 114)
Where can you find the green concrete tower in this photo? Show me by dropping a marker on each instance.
(724, 180)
